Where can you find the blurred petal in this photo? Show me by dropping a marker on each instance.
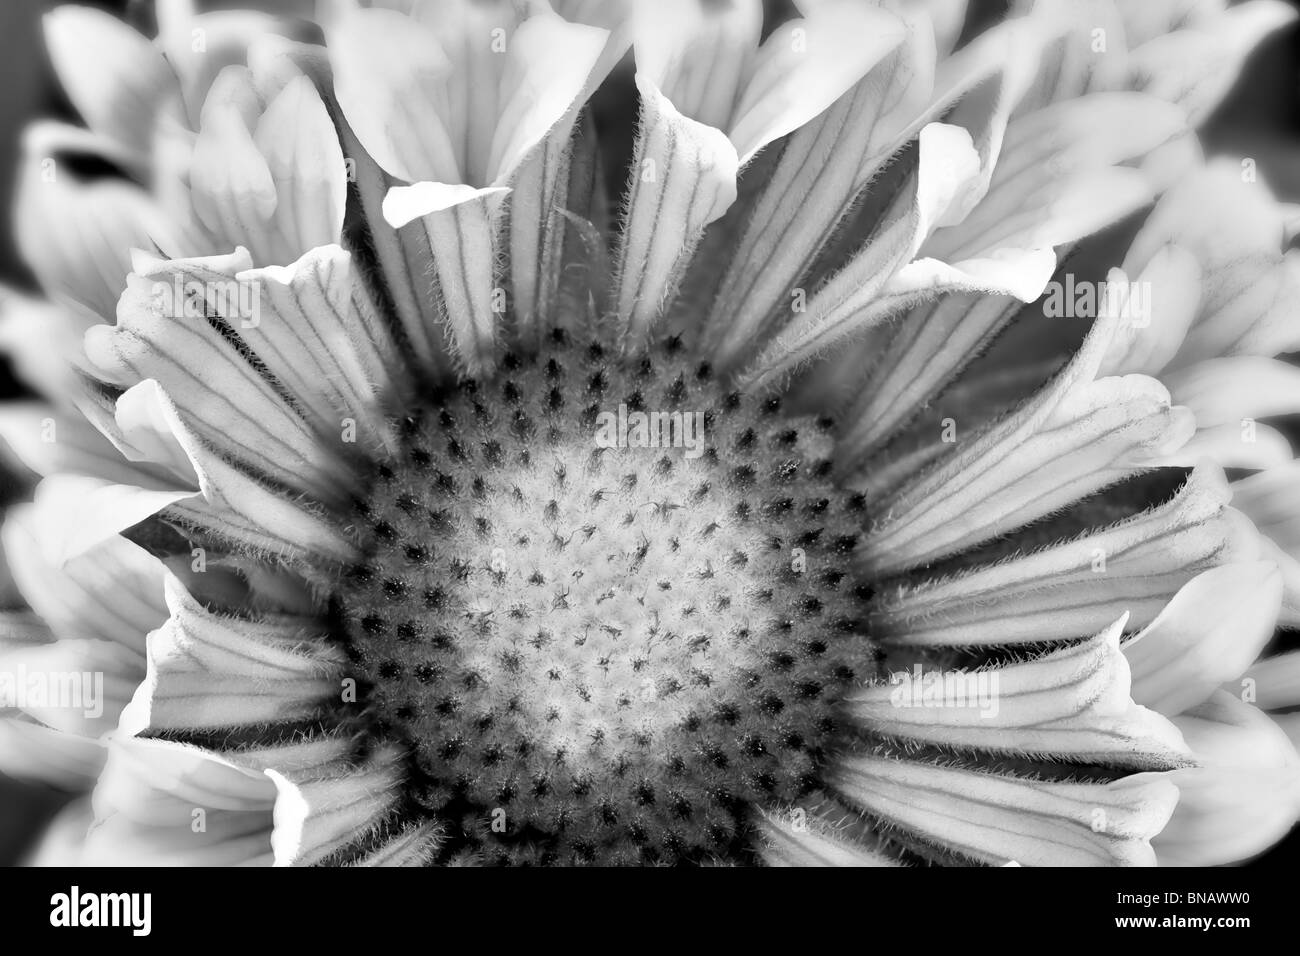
(160, 803)
(77, 686)
(116, 78)
(111, 591)
(1196, 67)
(34, 752)
(77, 236)
(48, 441)
(1244, 798)
(1211, 631)
(63, 841)
(1273, 683)
(806, 65)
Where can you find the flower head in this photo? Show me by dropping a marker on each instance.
(453, 510)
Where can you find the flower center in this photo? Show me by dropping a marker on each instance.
(609, 605)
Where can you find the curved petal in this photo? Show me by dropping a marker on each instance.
(320, 811)
(1077, 436)
(1073, 588)
(32, 751)
(1211, 631)
(116, 78)
(160, 803)
(1072, 703)
(207, 670)
(111, 591)
(809, 840)
(996, 819)
(1244, 798)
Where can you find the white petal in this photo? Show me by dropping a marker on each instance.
(808, 840)
(76, 686)
(822, 167)
(405, 204)
(920, 354)
(47, 441)
(1152, 335)
(42, 341)
(1211, 631)
(1071, 64)
(1227, 390)
(116, 78)
(947, 166)
(1245, 444)
(166, 332)
(1072, 589)
(305, 162)
(1077, 436)
(78, 236)
(35, 752)
(539, 211)
(110, 592)
(144, 433)
(1244, 798)
(697, 54)
(549, 65)
(1020, 273)
(322, 810)
(405, 271)
(1234, 229)
(207, 671)
(806, 65)
(1269, 498)
(540, 188)
(1072, 703)
(160, 803)
(1196, 68)
(323, 341)
(683, 177)
(1273, 683)
(390, 75)
(232, 190)
(995, 819)
(1056, 178)
(199, 47)
(257, 518)
(459, 225)
(79, 512)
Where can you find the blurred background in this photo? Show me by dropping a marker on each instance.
(1260, 119)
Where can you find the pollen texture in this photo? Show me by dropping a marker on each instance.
(608, 633)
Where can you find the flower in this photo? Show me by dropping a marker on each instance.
(452, 512)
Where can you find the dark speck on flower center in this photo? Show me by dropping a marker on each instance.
(599, 650)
